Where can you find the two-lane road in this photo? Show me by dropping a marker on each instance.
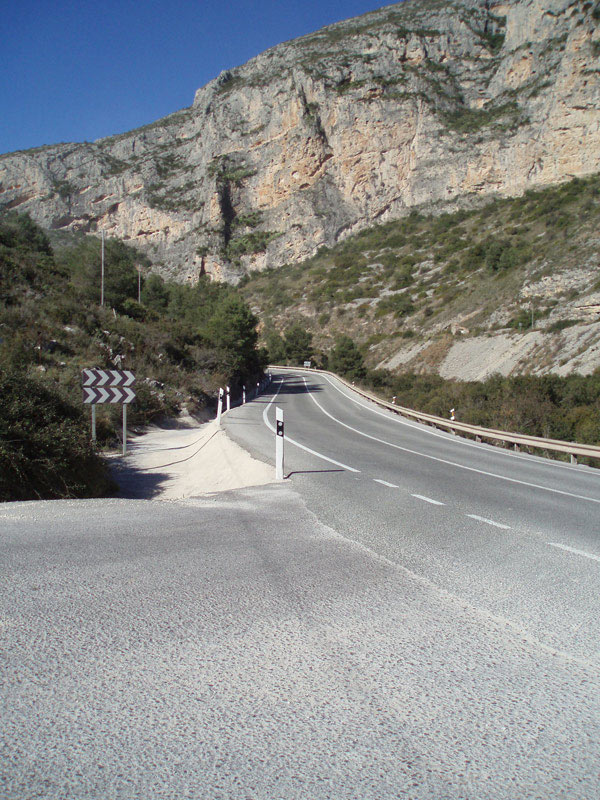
(407, 616)
(514, 536)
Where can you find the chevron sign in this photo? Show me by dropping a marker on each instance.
(112, 394)
(107, 377)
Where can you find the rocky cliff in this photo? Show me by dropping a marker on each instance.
(424, 103)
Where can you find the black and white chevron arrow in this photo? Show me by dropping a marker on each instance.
(109, 394)
(107, 377)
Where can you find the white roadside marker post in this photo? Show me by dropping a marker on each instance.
(228, 399)
(279, 444)
(219, 406)
(243, 395)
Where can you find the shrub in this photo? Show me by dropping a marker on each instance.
(45, 450)
(400, 305)
(345, 359)
(561, 324)
(298, 344)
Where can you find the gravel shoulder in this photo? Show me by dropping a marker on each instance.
(186, 460)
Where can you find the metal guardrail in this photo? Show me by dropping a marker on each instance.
(574, 449)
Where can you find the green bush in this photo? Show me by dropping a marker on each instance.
(400, 305)
(561, 324)
(45, 450)
(298, 344)
(182, 342)
(345, 359)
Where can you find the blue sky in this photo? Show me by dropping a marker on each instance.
(75, 71)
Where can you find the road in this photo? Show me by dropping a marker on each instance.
(515, 536)
(392, 625)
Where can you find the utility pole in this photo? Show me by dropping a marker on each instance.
(102, 273)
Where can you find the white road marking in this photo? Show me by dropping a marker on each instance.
(574, 550)
(446, 435)
(385, 483)
(428, 500)
(302, 446)
(489, 522)
(454, 463)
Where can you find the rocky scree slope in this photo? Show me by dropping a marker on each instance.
(423, 103)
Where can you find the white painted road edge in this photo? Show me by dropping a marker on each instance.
(297, 444)
(452, 463)
(399, 420)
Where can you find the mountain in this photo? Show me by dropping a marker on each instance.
(510, 287)
(424, 105)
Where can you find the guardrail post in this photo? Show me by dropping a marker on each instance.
(516, 448)
(573, 458)
(220, 406)
(279, 436)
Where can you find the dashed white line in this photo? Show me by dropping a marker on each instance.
(385, 483)
(574, 550)
(428, 500)
(489, 522)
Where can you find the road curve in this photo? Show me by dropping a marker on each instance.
(514, 536)
(406, 616)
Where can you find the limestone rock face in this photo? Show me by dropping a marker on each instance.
(421, 104)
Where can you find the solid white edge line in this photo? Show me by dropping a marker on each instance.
(386, 483)
(302, 446)
(490, 522)
(454, 463)
(445, 435)
(574, 550)
(428, 500)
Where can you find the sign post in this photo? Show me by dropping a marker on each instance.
(108, 386)
(279, 437)
(124, 428)
(220, 406)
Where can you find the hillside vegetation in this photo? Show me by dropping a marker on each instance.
(413, 278)
(182, 342)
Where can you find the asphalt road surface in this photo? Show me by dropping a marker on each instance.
(513, 535)
(398, 619)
